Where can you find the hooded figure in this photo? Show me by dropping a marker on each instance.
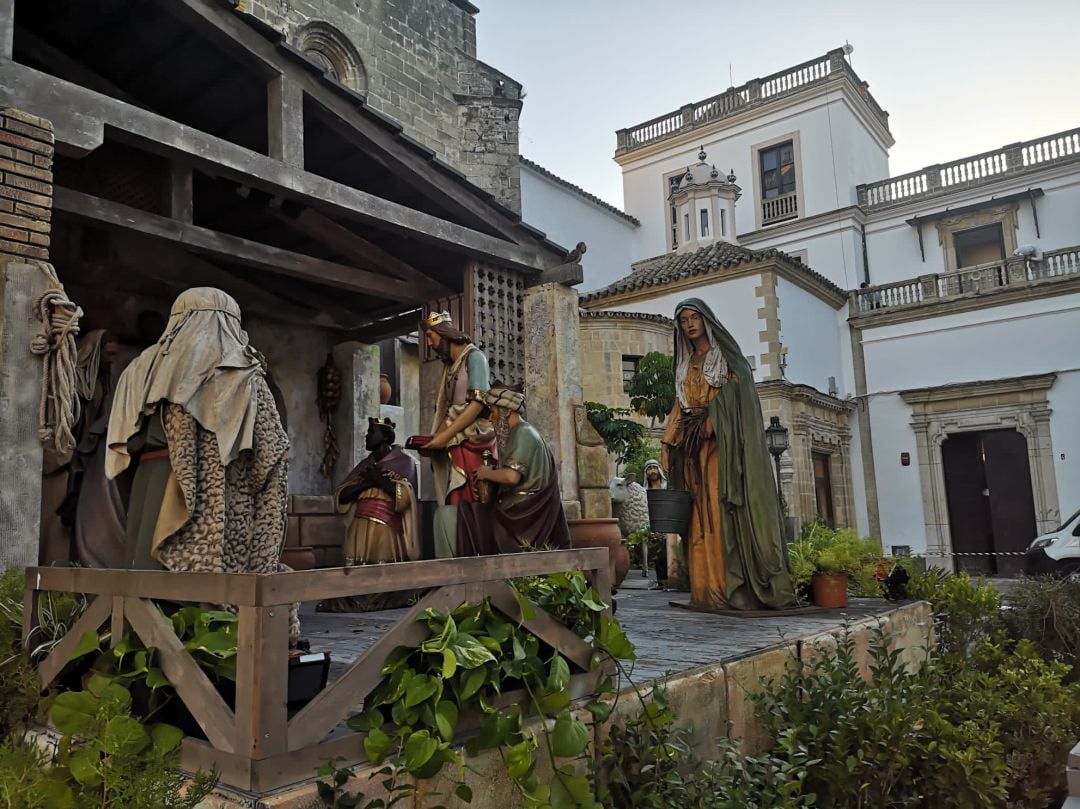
(194, 410)
(714, 447)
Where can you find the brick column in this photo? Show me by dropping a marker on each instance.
(26, 152)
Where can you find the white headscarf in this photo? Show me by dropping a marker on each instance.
(715, 367)
(202, 363)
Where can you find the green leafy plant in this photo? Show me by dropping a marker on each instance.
(472, 657)
(652, 540)
(964, 611)
(831, 551)
(622, 436)
(1046, 611)
(652, 388)
(648, 449)
(332, 792)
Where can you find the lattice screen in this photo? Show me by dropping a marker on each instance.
(119, 174)
(497, 320)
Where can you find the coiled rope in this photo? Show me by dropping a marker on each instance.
(55, 344)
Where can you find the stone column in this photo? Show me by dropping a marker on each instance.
(359, 364)
(553, 378)
(26, 152)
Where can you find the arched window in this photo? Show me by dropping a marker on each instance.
(326, 45)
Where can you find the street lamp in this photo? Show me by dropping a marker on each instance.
(777, 437)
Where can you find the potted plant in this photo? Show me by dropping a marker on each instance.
(826, 563)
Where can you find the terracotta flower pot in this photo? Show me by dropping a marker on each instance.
(298, 558)
(602, 533)
(385, 391)
(830, 590)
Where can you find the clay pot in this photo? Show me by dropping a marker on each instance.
(602, 533)
(298, 558)
(385, 391)
(830, 590)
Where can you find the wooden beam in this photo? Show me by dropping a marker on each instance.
(80, 116)
(391, 327)
(190, 681)
(558, 636)
(358, 248)
(314, 585)
(285, 124)
(262, 681)
(72, 69)
(234, 248)
(181, 193)
(99, 611)
(379, 143)
(330, 707)
(215, 588)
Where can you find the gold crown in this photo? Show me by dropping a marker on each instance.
(435, 318)
(383, 422)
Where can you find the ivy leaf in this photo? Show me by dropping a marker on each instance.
(570, 737)
(88, 643)
(519, 760)
(446, 719)
(125, 736)
(553, 703)
(376, 743)
(419, 748)
(85, 766)
(525, 607)
(463, 792)
(326, 792)
(420, 688)
(73, 712)
(473, 680)
(612, 638)
(600, 710)
(558, 674)
(470, 652)
(449, 663)
(155, 678)
(165, 738)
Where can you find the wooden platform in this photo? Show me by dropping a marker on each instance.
(668, 640)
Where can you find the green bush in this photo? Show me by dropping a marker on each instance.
(829, 550)
(964, 611)
(647, 450)
(1047, 612)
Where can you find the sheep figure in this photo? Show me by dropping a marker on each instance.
(630, 504)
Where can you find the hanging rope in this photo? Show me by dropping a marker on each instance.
(59, 408)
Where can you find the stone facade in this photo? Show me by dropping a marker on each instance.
(419, 66)
(606, 337)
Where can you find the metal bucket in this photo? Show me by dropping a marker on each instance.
(669, 511)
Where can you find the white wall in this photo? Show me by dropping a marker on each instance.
(808, 327)
(900, 505)
(835, 154)
(733, 302)
(568, 218)
(1065, 434)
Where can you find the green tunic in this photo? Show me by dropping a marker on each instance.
(528, 454)
(147, 493)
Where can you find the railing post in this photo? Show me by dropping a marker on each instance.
(928, 285)
(622, 140)
(30, 608)
(262, 681)
(836, 60)
(1016, 270)
(753, 90)
(933, 178)
(687, 116)
(1014, 157)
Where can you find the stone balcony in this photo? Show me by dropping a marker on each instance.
(756, 93)
(972, 286)
(969, 172)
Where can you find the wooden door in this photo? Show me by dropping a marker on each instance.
(968, 503)
(823, 488)
(1011, 499)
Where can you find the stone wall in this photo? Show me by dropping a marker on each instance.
(26, 153)
(605, 338)
(419, 66)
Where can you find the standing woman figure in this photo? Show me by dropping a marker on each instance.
(714, 447)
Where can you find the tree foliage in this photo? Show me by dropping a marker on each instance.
(622, 436)
(652, 389)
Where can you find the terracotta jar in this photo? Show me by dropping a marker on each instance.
(298, 558)
(602, 533)
(385, 391)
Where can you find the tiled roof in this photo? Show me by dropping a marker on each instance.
(676, 266)
(581, 192)
(602, 314)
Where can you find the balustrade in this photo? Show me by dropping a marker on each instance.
(778, 209)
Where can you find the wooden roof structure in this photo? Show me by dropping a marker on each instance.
(199, 133)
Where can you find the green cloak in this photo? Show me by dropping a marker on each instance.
(755, 554)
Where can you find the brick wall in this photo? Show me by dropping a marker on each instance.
(420, 61)
(604, 341)
(26, 155)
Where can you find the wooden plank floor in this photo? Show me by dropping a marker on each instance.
(668, 640)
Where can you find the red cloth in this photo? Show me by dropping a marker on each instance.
(469, 456)
(378, 509)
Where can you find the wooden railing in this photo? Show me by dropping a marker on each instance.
(255, 743)
(754, 93)
(980, 169)
(1012, 273)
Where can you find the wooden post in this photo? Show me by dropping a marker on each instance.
(285, 127)
(262, 681)
(119, 624)
(181, 194)
(30, 608)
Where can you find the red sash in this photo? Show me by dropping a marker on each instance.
(469, 456)
(375, 508)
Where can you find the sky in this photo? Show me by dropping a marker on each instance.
(957, 77)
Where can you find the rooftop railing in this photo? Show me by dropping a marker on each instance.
(754, 93)
(1015, 159)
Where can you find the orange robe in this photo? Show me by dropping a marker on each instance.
(701, 473)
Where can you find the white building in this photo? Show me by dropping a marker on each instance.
(928, 364)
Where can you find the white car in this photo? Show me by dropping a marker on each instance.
(1056, 553)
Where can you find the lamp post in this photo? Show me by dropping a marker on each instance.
(777, 437)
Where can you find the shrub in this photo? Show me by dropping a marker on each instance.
(964, 611)
(1047, 612)
(828, 550)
